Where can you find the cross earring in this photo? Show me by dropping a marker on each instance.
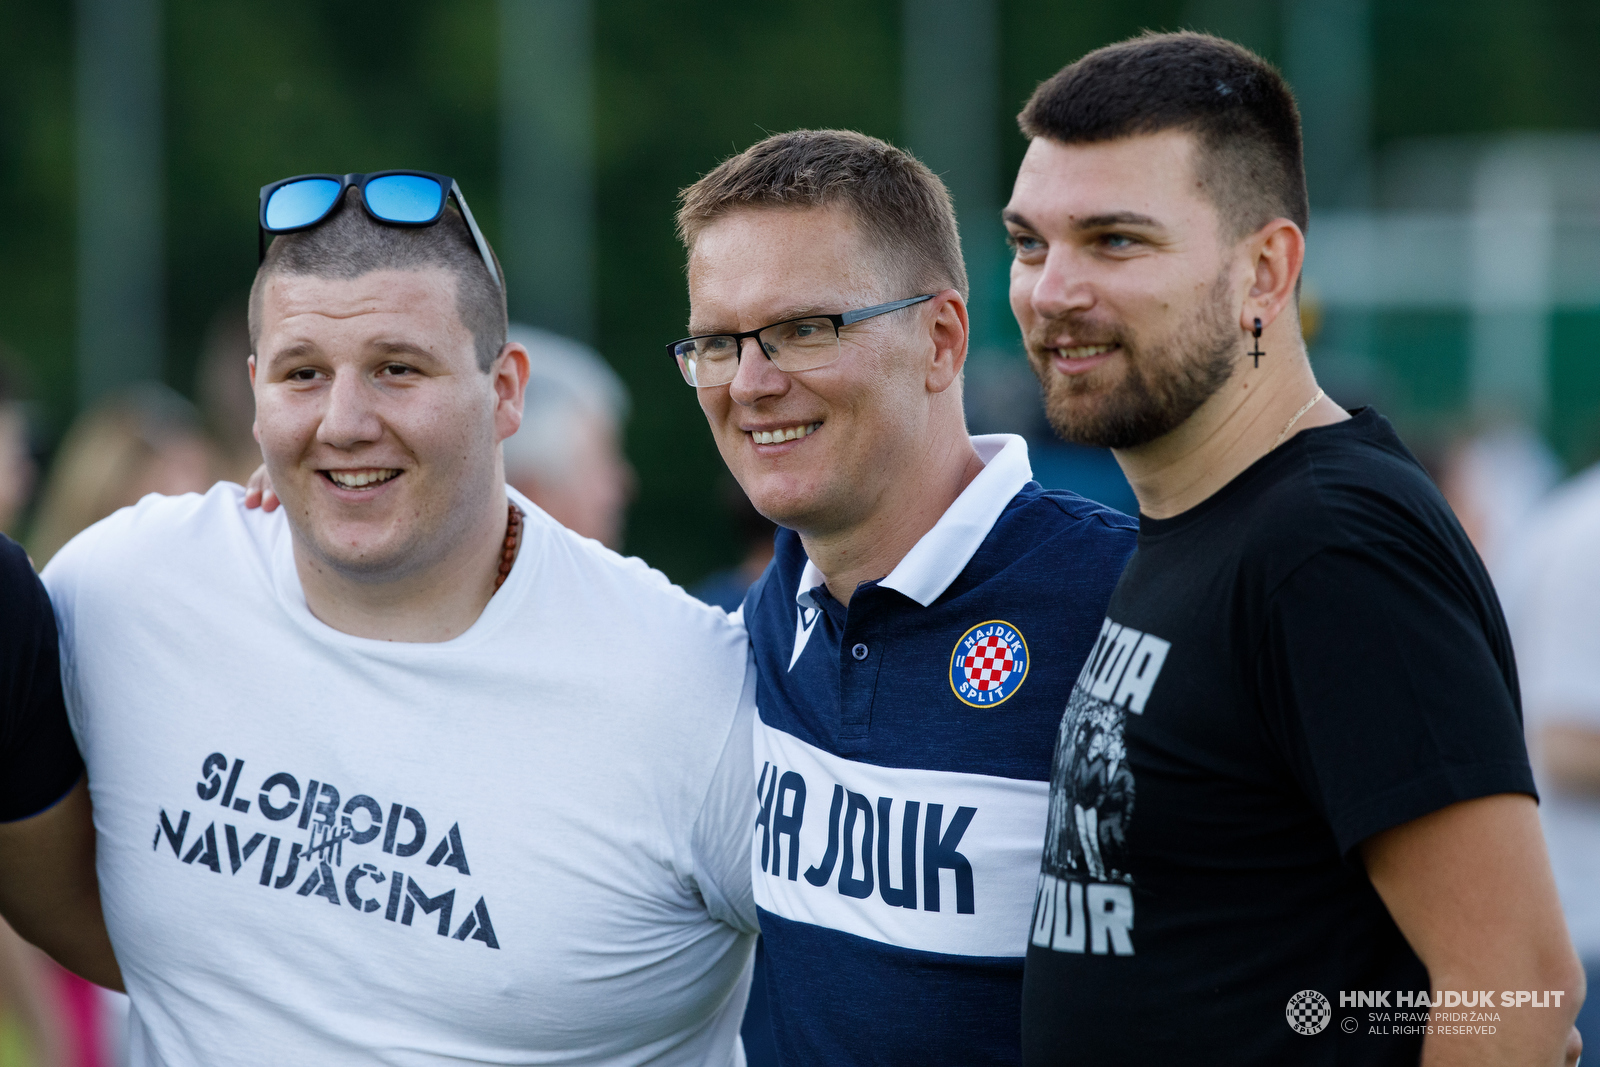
(1256, 351)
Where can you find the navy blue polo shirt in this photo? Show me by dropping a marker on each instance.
(903, 751)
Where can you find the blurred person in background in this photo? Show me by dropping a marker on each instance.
(1493, 479)
(227, 406)
(146, 439)
(567, 456)
(1550, 583)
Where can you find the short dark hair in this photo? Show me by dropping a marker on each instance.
(901, 205)
(1238, 107)
(350, 243)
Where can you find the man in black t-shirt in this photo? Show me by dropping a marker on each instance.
(1291, 815)
(48, 891)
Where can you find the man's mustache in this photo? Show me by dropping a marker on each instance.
(1079, 330)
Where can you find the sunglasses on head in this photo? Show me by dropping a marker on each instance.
(396, 197)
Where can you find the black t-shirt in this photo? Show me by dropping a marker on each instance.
(1309, 657)
(38, 761)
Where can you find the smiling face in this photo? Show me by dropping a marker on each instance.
(1127, 291)
(818, 450)
(378, 429)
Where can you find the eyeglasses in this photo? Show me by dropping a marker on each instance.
(397, 197)
(792, 345)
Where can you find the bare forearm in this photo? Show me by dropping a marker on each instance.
(1471, 889)
(1528, 1020)
(72, 931)
(48, 891)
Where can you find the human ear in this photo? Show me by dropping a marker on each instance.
(1277, 252)
(255, 422)
(949, 332)
(509, 379)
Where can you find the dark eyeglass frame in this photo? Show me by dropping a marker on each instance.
(845, 318)
(447, 186)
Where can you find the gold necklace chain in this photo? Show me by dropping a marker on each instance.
(1308, 406)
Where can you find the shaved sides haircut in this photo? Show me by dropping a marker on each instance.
(1236, 104)
(903, 209)
(350, 243)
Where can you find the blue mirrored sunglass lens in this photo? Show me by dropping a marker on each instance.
(300, 203)
(404, 198)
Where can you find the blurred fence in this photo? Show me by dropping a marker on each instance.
(1472, 288)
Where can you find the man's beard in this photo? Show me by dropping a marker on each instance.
(1164, 382)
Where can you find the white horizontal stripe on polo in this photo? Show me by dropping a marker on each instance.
(1001, 844)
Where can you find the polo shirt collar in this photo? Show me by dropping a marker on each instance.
(944, 551)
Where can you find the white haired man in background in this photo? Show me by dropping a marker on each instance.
(567, 457)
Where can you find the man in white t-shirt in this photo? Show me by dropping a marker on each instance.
(1550, 583)
(404, 772)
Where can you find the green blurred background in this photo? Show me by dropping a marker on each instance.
(247, 91)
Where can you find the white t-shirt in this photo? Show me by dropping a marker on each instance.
(526, 845)
(1550, 587)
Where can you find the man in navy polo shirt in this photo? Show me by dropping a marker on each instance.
(927, 611)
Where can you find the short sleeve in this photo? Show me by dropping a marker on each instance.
(1387, 680)
(39, 762)
(721, 836)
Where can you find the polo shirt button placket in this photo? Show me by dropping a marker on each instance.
(858, 682)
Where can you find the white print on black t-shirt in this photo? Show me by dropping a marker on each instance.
(1086, 874)
(361, 823)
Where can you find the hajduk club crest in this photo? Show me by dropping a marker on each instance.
(988, 664)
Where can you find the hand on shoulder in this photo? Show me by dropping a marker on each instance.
(258, 491)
